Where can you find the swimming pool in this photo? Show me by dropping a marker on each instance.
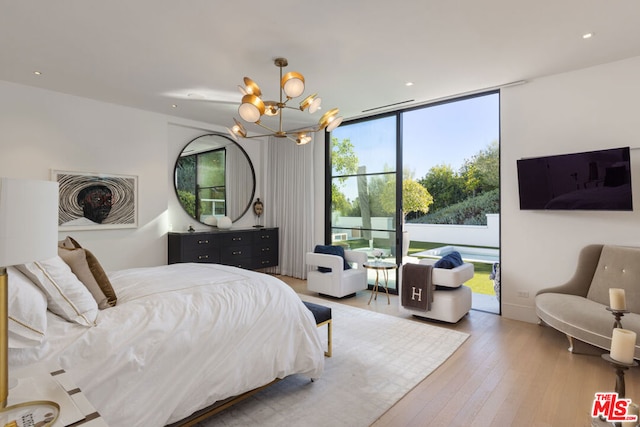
(468, 253)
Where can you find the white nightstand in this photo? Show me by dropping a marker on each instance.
(46, 381)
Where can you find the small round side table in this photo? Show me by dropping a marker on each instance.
(384, 267)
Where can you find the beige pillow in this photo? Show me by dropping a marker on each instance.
(66, 295)
(87, 268)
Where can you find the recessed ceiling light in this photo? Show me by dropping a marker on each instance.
(195, 95)
(587, 35)
(37, 73)
(174, 106)
(408, 84)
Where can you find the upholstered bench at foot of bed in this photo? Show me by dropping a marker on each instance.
(322, 315)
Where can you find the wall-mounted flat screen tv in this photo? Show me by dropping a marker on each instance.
(595, 180)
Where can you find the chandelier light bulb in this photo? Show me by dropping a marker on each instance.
(251, 109)
(293, 84)
(315, 105)
(271, 108)
(311, 102)
(303, 139)
(334, 122)
(252, 87)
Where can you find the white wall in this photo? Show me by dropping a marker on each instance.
(42, 130)
(590, 109)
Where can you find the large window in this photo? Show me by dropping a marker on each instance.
(436, 164)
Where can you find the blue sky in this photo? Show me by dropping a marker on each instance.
(448, 133)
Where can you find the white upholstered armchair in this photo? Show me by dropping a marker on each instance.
(338, 282)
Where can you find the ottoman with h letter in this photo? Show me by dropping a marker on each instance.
(451, 299)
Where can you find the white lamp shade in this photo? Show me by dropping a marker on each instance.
(315, 105)
(249, 112)
(28, 220)
(334, 123)
(292, 84)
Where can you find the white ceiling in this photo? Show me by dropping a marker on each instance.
(357, 55)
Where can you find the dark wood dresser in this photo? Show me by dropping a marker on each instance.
(249, 248)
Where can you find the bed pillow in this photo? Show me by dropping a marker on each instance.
(449, 261)
(66, 295)
(89, 271)
(331, 250)
(27, 311)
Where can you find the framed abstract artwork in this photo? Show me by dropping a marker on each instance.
(92, 201)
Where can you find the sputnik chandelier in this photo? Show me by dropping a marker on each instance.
(253, 108)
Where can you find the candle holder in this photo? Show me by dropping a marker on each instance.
(618, 315)
(619, 368)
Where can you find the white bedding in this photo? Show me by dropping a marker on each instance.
(182, 337)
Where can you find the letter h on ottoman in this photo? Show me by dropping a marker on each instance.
(322, 315)
(451, 299)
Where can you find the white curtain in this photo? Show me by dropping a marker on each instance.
(289, 202)
(238, 181)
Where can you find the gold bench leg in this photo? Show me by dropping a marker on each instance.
(329, 338)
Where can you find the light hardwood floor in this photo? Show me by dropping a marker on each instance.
(508, 373)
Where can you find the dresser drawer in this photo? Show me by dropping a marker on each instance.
(193, 248)
(265, 249)
(266, 237)
(235, 238)
(238, 256)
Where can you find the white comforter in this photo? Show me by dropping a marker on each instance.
(182, 337)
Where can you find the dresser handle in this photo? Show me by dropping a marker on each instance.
(265, 262)
(203, 256)
(236, 253)
(265, 236)
(236, 239)
(202, 241)
(266, 249)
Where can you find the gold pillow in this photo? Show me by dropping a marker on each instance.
(89, 271)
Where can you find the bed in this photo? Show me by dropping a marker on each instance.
(179, 338)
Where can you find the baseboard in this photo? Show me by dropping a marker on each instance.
(519, 312)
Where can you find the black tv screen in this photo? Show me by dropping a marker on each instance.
(595, 180)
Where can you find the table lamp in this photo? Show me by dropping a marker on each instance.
(28, 232)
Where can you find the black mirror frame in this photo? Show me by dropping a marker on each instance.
(253, 175)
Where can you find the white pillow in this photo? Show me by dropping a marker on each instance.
(66, 295)
(27, 311)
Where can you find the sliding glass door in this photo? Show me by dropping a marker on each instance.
(419, 182)
(363, 162)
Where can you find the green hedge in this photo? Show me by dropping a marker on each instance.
(471, 211)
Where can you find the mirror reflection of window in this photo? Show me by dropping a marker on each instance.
(210, 184)
(214, 177)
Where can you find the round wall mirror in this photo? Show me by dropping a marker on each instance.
(214, 177)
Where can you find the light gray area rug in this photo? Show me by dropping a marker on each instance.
(376, 360)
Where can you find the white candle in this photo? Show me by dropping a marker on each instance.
(616, 299)
(623, 345)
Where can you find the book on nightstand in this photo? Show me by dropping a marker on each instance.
(43, 396)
